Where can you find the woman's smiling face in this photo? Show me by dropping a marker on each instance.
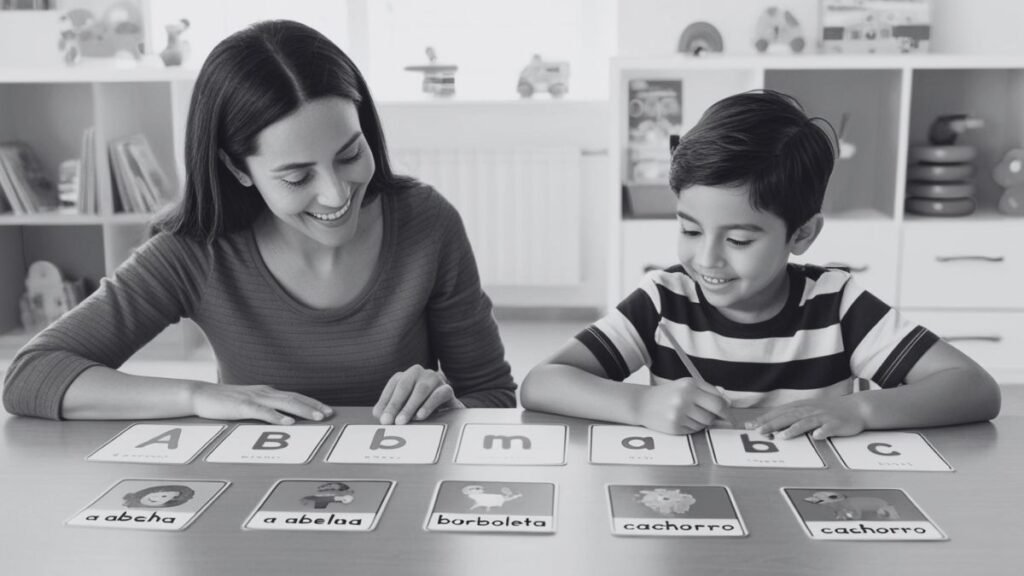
(312, 169)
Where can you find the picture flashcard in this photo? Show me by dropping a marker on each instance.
(158, 443)
(658, 510)
(373, 444)
(269, 444)
(752, 449)
(889, 451)
(860, 514)
(470, 506)
(329, 505)
(610, 444)
(150, 504)
(512, 444)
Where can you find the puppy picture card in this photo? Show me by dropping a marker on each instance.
(158, 443)
(512, 444)
(165, 505)
(373, 444)
(471, 506)
(269, 444)
(751, 449)
(610, 444)
(860, 514)
(328, 505)
(895, 451)
(660, 510)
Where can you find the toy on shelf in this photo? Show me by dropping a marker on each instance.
(47, 296)
(1009, 173)
(777, 26)
(177, 50)
(542, 75)
(117, 32)
(872, 26)
(940, 177)
(438, 79)
(699, 38)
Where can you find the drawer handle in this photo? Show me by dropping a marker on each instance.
(961, 258)
(979, 338)
(847, 267)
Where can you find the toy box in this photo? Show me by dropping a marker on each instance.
(875, 26)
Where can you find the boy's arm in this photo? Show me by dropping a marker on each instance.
(574, 383)
(945, 387)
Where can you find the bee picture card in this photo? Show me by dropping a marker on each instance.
(150, 504)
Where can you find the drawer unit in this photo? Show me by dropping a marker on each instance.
(993, 339)
(975, 264)
(869, 248)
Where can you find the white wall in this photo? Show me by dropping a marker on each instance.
(652, 27)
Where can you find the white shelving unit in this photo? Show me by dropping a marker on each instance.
(49, 109)
(962, 277)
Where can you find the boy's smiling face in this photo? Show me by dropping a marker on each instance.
(737, 254)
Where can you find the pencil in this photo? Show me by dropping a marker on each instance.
(694, 372)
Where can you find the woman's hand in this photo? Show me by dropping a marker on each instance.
(843, 416)
(414, 394)
(681, 406)
(229, 402)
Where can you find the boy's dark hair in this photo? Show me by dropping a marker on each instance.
(251, 80)
(762, 139)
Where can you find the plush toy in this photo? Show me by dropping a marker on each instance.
(778, 26)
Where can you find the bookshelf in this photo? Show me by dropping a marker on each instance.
(959, 276)
(49, 109)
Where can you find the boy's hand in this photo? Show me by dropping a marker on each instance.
(682, 406)
(842, 416)
(227, 402)
(414, 394)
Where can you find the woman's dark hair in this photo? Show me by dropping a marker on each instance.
(251, 80)
(762, 139)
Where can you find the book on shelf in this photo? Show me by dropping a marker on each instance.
(655, 112)
(23, 184)
(142, 186)
(87, 187)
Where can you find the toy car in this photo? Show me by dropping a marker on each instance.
(540, 75)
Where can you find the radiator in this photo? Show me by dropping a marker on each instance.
(521, 208)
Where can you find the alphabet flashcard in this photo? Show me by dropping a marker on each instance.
(512, 444)
(158, 443)
(330, 505)
(749, 448)
(470, 506)
(889, 451)
(860, 514)
(659, 510)
(268, 444)
(610, 444)
(373, 444)
(150, 504)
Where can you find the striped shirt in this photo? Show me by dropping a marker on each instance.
(829, 331)
(423, 305)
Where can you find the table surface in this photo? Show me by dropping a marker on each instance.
(45, 479)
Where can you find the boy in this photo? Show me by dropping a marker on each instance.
(761, 332)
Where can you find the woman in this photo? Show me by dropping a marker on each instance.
(319, 276)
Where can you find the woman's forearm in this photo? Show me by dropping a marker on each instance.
(101, 393)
